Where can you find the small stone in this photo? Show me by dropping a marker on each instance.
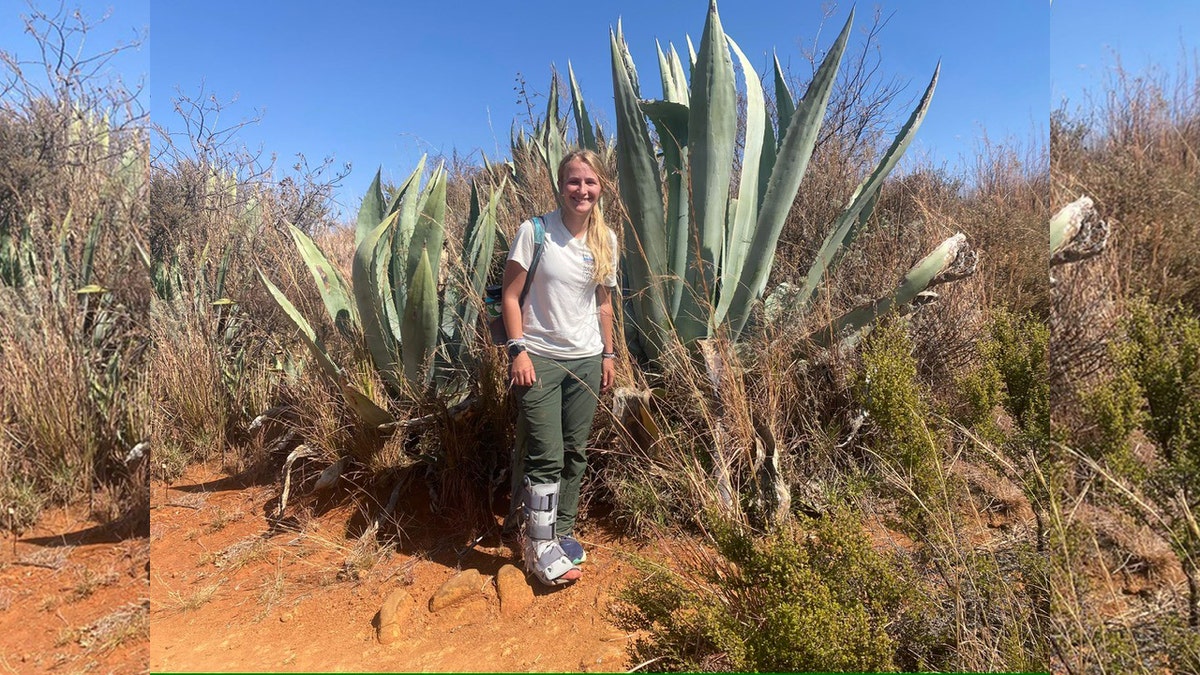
(461, 586)
(394, 615)
(285, 617)
(515, 592)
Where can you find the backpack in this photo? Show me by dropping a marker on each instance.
(492, 297)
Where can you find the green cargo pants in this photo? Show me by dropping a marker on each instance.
(554, 421)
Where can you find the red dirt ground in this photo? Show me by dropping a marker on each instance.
(74, 597)
(225, 595)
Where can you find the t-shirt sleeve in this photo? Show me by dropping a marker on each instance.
(522, 247)
(611, 280)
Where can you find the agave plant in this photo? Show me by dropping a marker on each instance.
(548, 140)
(697, 258)
(414, 340)
(703, 227)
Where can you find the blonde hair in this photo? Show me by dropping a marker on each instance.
(599, 236)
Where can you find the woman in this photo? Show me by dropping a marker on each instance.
(561, 354)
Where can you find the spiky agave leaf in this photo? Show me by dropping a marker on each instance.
(712, 137)
(671, 125)
(785, 106)
(89, 249)
(410, 184)
(551, 141)
(223, 271)
(844, 230)
(369, 259)
(408, 204)
(744, 210)
(641, 192)
(371, 211)
(419, 327)
(790, 165)
(430, 230)
(953, 259)
(586, 136)
(332, 286)
(331, 370)
(477, 256)
(366, 409)
(460, 308)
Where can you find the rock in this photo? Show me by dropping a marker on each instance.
(470, 612)
(465, 584)
(286, 617)
(515, 592)
(394, 615)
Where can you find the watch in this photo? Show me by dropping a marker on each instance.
(514, 349)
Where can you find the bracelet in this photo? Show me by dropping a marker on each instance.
(608, 355)
(515, 341)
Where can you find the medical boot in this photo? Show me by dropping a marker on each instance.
(544, 556)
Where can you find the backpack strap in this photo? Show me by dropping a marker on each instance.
(539, 242)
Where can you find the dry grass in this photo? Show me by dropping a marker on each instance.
(272, 591)
(1133, 151)
(195, 600)
(88, 581)
(71, 190)
(130, 623)
(58, 426)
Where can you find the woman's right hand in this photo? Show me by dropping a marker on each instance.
(521, 371)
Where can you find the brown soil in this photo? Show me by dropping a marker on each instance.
(74, 597)
(228, 594)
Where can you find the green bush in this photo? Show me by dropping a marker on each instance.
(813, 596)
(1163, 356)
(981, 390)
(888, 389)
(1020, 349)
(1115, 408)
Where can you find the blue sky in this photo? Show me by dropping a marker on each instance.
(111, 27)
(1089, 36)
(378, 83)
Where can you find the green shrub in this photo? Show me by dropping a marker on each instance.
(981, 390)
(1115, 408)
(1163, 356)
(888, 390)
(808, 597)
(1020, 349)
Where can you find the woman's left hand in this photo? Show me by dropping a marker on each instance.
(608, 371)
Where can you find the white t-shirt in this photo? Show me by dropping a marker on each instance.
(560, 317)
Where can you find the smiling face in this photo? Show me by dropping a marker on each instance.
(579, 188)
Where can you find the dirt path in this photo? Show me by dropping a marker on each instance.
(225, 596)
(74, 597)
